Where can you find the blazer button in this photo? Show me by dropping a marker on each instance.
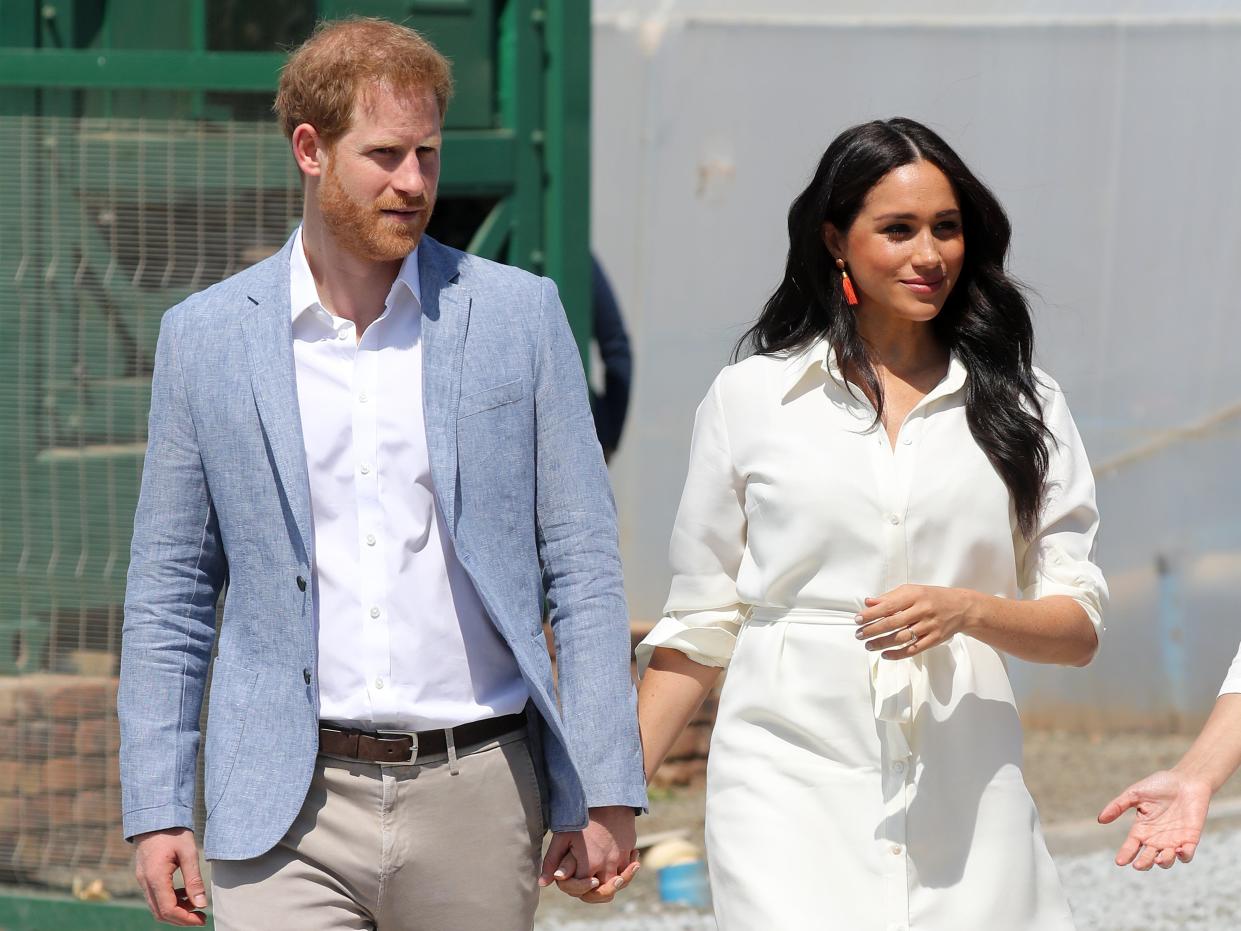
(301, 584)
(306, 675)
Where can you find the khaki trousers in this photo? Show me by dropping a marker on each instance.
(399, 847)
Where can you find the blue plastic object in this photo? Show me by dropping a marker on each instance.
(685, 883)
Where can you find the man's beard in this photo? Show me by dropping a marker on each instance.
(363, 229)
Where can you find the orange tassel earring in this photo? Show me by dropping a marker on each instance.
(850, 294)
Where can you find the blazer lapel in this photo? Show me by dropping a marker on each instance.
(268, 330)
(445, 318)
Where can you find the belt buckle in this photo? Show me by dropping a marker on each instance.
(392, 737)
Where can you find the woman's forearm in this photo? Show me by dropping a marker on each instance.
(1216, 753)
(1055, 629)
(672, 690)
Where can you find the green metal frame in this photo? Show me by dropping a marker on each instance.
(535, 154)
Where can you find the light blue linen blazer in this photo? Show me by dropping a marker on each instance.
(225, 498)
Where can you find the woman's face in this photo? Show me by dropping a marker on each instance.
(905, 250)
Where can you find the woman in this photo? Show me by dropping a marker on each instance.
(882, 501)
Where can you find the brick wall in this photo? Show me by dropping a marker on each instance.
(60, 803)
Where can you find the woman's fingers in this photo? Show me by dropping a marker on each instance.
(1145, 859)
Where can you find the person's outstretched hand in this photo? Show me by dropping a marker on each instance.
(1171, 809)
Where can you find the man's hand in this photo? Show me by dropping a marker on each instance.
(1171, 810)
(159, 855)
(594, 864)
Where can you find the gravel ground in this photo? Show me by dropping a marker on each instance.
(1071, 777)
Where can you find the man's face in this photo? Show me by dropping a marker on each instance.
(378, 189)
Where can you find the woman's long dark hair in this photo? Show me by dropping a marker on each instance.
(985, 321)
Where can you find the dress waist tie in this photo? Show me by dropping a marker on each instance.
(893, 683)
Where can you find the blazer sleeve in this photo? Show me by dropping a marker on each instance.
(580, 559)
(176, 573)
(1060, 558)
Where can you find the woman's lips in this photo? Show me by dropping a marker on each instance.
(923, 285)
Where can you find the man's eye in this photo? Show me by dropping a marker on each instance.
(385, 150)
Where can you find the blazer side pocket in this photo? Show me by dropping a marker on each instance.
(232, 693)
(490, 398)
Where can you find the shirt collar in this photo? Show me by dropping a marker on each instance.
(819, 356)
(303, 294)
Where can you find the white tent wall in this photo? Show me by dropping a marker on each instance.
(1110, 133)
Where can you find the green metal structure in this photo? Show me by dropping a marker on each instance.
(139, 162)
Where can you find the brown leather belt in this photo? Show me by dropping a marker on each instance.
(369, 747)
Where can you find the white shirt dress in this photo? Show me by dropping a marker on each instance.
(845, 791)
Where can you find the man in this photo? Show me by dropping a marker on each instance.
(1170, 806)
(384, 446)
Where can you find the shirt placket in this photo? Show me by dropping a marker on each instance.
(372, 583)
(892, 471)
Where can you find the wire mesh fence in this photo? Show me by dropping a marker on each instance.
(104, 224)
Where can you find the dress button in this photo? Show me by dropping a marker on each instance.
(897, 850)
(379, 683)
(365, 470)
(306, 676)
(301, 583)
(894, 519)
(375, 612)
(370, 539)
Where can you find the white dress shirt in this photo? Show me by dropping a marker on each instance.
(1232, 681)
(404, 641)
(845, 790)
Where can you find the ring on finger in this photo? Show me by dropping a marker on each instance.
(913, 639)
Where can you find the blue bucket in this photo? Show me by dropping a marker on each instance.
(686, 884)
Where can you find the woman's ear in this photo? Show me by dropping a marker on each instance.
(834, 240)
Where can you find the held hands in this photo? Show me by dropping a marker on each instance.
(159, 855)
(1171, 809)
(594, 864)
(912, 618)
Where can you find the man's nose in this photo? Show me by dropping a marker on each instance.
(408, 178)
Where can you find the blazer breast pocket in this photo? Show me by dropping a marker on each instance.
(490, 398)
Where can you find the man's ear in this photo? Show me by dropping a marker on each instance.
(309, 151)
(834, 240)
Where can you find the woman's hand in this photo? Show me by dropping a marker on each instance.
(913, 618)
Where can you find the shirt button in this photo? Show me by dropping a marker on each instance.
(897, 850)
(306, 676)
(375, 611)
(370, 539)
(362, 398)
(365, 470)
(379, 683)
(908, 440)
(894, 519)
(898, 767)
(301, 583)
(343, 334)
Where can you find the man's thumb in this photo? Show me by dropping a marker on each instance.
(195, 891)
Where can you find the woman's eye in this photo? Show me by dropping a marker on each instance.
(949, 226)
(896, 229)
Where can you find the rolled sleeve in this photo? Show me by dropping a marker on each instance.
(1060, 559)
(704, 613)
(706, 637)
